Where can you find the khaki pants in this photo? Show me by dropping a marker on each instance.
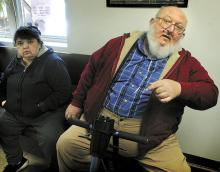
(73, 149)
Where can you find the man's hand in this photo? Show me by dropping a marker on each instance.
(72, 112)
(165, 89)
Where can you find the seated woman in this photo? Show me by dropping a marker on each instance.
(34, 89)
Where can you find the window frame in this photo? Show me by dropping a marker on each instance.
(17, 20)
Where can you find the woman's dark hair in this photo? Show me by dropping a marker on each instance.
(27, 32)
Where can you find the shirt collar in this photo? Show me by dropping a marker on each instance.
(141, 44)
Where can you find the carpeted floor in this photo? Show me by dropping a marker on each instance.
(36, 164)
(2, 160)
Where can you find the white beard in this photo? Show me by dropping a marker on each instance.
(158, 51)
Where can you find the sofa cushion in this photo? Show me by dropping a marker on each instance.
(75, 64)
(6, 54)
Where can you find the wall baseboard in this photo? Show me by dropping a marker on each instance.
(202, 164)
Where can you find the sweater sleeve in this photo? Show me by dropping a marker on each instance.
(86, 79)
(200, 91)
(60, 82)
(3, 79)
(3, 83)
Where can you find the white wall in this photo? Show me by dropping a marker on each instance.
(91, 24)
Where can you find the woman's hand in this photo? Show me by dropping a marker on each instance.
(3, 103)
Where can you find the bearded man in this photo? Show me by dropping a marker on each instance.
(142, 80)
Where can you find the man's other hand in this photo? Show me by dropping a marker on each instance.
(165, 89)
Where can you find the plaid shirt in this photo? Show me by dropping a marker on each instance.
(128, 95)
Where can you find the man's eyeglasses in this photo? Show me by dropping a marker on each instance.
(167, 22)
